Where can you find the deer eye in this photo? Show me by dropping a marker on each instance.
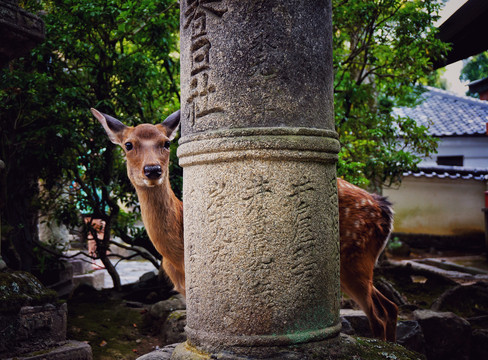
(129, 146)
(167, 144)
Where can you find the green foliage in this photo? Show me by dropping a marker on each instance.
(382, 52)
(475, 69)
(120, 57)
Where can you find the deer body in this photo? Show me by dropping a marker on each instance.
(365, 219)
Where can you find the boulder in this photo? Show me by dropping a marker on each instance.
(346, 327)
(70, 350)
(479, 344)
(158, 313)
(358, 321)
(447, 336)
(409, 335)
(33, 323)
(160, 354)
(173, 329)
(465, 300)
(162, 309)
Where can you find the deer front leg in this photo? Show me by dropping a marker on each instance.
(176, 277)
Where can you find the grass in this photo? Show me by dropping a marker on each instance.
(113, 330)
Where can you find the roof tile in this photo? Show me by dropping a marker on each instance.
(448, 114)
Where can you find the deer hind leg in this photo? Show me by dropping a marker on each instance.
(390, 309)
(380, 311)
(176, 277)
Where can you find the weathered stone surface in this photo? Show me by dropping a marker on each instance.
(162, 309)
(409, 335)
(342, 347)
(20, 31)
(256, 64)
(258, 151)
(346, 327)
(32, 328)
(70, 350)
(80, 266)
(358, 321)
(173, 329)
(18, 288)
(94, 279)
(447, 336)
(466, 300)
(161, 354)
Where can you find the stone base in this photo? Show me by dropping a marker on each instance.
(343, 347)
(33, 328)
(71, 350)
(95, 279)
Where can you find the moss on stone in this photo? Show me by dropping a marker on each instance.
(177, 315)
(341, 348)
(19, 288)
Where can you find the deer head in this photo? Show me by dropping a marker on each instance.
(146, 147)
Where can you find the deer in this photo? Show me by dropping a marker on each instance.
(365, 219)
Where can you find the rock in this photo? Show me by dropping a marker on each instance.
(465, 300)
(147, 277)
(388, 290)
(157, 314)
(346, 327)
(18, 288)
(161, 354)
(162, 309)
(71, 350)
(32, 328)
(479, 322)
(95, 279)
(80, 266)
(358, 321)
(409, 335)
(479, 344)
(149, 289)
(447, 336)
(173, 329)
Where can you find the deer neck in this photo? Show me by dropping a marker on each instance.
(162, 214)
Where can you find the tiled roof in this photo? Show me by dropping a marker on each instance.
(450, 172)
(448, 114)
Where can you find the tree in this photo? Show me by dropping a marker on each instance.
(382, 53)
(118, 56)
(476, 68)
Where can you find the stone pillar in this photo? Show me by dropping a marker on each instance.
(258, 149)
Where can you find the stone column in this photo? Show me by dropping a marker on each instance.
(258, 149)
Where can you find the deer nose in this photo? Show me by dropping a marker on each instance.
(152, 171)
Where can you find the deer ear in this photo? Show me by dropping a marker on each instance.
(113, 127)
(171, 124)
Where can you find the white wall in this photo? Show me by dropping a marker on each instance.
(438, 206)
(474, 149)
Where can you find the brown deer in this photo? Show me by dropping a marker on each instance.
(365, 220)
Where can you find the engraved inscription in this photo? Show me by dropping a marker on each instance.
(333, 227)
(217, 201)
(304, 267)
(261, 259)
(265, 58)
(201, 100)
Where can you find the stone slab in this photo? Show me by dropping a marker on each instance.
(33, 328)
(95, 279)
(70, 350)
